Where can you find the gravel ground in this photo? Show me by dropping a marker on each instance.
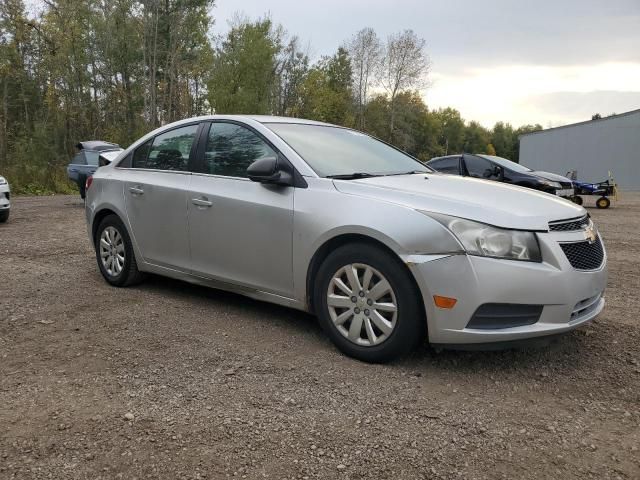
(170, 380)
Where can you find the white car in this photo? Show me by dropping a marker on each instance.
(5, 199)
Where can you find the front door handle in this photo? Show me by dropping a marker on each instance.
(201, 202)
(136, 190)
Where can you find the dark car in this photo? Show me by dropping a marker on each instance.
(500, 169)
(87, 160)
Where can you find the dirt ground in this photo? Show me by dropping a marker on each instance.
(170, 380)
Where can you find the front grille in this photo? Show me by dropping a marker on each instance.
(569, 225)
(566, 185)
(491, 316)
(584, 255)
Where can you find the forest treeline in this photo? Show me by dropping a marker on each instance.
(74, 70)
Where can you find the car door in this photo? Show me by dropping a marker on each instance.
(77, 169)
(156, 191)
(240, 231)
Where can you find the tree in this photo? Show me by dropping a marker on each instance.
(476, 138)
(293, 67)
(326, 92)
(503, 140)
(365, 51)
(404, 66)
(452, 130)
(244, 70)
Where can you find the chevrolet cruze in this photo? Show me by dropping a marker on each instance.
(326, 219)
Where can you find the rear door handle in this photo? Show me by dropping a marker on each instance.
(136, 190)
(201, 202)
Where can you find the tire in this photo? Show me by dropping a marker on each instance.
(4, 216)
(405, 329)
(577, 200)
(124, 272)
(603, 202)
(83, 192)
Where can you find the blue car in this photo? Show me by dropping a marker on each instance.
(87, 161)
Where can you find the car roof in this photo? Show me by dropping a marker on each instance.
(446, 156)
(276, 119)
(97, 145)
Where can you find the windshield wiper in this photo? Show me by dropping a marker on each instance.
(410, 172)
(353, 176)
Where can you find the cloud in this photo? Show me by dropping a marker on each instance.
(493, 60)
(524, 94)
(568, 107)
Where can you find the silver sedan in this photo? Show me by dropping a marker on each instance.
(385, 251)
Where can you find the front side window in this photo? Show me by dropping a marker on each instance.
(332, 151)
(232, 148)
(446, 165)
(481, 168)
(168, 151)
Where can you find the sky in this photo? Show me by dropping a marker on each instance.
(523, 62)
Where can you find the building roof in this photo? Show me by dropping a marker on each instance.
(603, 119)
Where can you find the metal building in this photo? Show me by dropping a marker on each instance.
(592, 148)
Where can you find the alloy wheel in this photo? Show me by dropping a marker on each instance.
(112, 253)
(362, 304)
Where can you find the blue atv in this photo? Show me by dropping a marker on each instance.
(604, 190)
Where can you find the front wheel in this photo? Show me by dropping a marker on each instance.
(114, 253)
(4, 216)
(368, 304)
(577, 199)
(603, 202)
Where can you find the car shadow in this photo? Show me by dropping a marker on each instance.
(291, 318)
(566, 352)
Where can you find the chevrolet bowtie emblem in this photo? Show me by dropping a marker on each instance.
(590, 234)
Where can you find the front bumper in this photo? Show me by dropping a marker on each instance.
(569, 297)
(5, 202)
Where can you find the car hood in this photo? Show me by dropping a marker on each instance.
(554, 177)
(484, 201)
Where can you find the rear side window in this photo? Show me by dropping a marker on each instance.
(232, 148)
(167, 151)
(92, 157)
(78, 159)
(446, 165)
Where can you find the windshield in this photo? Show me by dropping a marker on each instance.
(503, 162)
(332, 151)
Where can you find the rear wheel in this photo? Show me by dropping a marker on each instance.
(368, 304)
(114, 253)
(603, 202)
(4, 216)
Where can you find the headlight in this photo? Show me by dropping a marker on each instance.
(551, 184)
(3, 181)
(487, 241)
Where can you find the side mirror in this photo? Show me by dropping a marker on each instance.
(264, 170)
(267, 170)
